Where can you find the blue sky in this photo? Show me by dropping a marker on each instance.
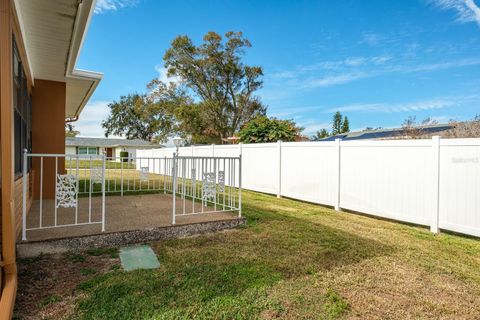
(376, 61)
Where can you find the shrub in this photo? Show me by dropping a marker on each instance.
(124, 156)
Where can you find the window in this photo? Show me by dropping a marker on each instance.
(87, 150)
(22, 106)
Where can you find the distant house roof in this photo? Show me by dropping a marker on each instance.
(107, 142)
(390, 133)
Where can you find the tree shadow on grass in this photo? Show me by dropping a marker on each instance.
(226, 275)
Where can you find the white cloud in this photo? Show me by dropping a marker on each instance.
(475, 10)
(466, 10)
(416, 106)
(353, 69)
(310, 127)
(90, 122)
(334, 80)
(103, 6)
(163, 76)
(372, 39)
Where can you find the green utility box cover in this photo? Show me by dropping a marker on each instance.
(138, 257)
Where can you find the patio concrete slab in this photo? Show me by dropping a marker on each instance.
(127, 213)
(138, 257)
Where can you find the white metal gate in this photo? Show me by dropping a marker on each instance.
(211, 184)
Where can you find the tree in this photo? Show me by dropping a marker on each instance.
(264, 129)
(337, 123)
(340, 124)
(214, 74)
(136, 116)
(321, 134)
(345, 125)
(70, 130)
(465, 129)
(412, 129)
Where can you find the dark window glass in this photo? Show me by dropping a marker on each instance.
(22, 107)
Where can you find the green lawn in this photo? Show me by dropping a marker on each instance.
(87, 164)
(294, 260)
(113, 181)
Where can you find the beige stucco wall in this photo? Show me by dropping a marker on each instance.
(70, 150)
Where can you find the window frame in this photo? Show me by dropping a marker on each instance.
(22, 112)
(88, 150)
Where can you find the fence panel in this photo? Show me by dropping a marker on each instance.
(459, 198)
(426, 182)
(391, 179)
(260, 167)
(308, 171)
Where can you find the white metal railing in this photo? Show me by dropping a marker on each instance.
(205, 185)
(65, 193)
(123, 175)
(200, 185)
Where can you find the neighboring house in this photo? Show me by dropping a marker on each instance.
(395, 133)
(40, 88)
(105, 146)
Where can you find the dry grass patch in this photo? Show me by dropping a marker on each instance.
(47, 282)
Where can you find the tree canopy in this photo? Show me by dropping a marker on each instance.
(70, 130)
(214, 75)
(136, 116)
(213, 98)
(340, 124)
(264, 129)
(320, 134)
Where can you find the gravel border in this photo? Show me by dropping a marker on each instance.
(116, 239)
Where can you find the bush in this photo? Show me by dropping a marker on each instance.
(264, 129)
(124, 156)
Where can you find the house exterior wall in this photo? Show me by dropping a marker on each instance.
(8, 278)
(48, 131)
(9, 27)
(70, 150)
(132, 151)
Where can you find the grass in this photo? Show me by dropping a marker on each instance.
(113, 181)
(293, 260)
(75, 257)
(87, 271)
(50, 300)
(112, 252)
(86, 164)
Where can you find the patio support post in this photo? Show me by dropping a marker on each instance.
(165, 176)
(103, 193)
(121, 176)
(24, 196)
(338, 165)
(174, 187)
(279, 180)
(436, 183)
(239, 185)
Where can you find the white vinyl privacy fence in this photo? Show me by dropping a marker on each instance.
(433, 182)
